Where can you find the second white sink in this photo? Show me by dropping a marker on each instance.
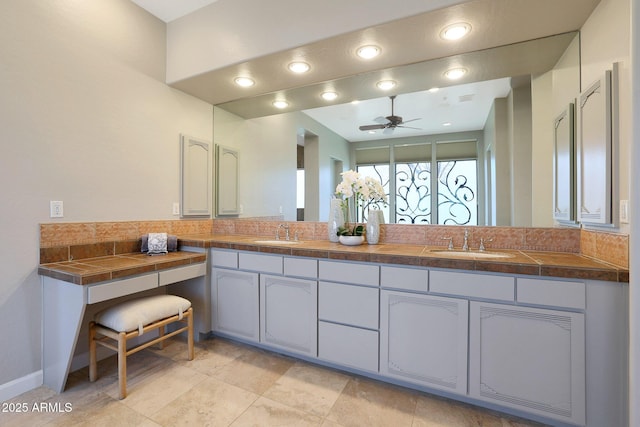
(471, 254)
(278, 242)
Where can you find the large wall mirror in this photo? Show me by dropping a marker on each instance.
(514, 141)
(536, 62)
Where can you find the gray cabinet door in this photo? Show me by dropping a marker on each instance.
(289, 313)
(423, 340)
(595, 153)
(195, 192)
(564, 166)
(235, 305)
(529, 359)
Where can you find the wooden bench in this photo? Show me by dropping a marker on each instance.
(134, 318)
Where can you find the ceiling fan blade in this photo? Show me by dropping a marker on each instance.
(412, 120)
(381, 120)
(371, 127)
(408, 127)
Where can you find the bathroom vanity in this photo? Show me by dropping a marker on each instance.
(541, 335)
(545, 347)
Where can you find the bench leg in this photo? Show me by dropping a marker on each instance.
(190, 333)
(161, 331)
(122, 364)
(93, 358)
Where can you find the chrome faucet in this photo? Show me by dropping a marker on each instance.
(465, 244)
(482, 241)
(450, 239)
(286, 231)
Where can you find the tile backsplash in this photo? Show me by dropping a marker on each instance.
(60, 239)
(76, 233)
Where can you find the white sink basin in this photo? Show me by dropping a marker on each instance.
(278, 242)
(471, 254)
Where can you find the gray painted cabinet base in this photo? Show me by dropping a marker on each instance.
(289, 313)
(433, 354)
(549, 349)
(528, 358)
(235, 297)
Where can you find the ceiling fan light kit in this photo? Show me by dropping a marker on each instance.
(392, 121)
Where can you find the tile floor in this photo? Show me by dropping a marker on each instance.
(232, 384)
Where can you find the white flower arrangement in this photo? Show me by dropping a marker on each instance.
(365, 191)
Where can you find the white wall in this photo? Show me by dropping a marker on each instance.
(542, 151)
(267, 148)
(605, 39)
(86, 118)
(496, 138)
(519, 102)
(551, 93)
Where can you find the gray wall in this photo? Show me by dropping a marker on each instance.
(86, 118)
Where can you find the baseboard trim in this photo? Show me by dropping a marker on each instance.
(21, 385)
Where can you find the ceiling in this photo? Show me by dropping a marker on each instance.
(497, 48)
(169, 10)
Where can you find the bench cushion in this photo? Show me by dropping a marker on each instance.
(137, 313)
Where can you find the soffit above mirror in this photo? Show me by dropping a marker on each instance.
(407, 41)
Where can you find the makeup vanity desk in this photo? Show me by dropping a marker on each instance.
(74, 290)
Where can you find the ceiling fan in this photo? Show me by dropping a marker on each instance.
(389, 123)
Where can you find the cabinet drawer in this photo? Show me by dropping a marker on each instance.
(353, 305)
(404, 278)
(301, 267)
(120, 288)
(220, 258)
(259, 262)
(348, 346)
(551, 292)
(358, 274)
(472, 285)
(167, 277)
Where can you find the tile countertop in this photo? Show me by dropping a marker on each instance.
(548, 264)
(87, 271)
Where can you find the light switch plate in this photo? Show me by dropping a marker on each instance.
(176, 208)
(56, 209)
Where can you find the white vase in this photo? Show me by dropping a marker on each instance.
(374, 220)
(351, 240)
(336, 219)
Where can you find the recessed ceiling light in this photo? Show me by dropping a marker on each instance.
(280, 104)
(329, 95)
(355, 102)
(386, 84)
(368, 52)
(434, 89)
(455, 73)
(299, 67)
(455, 31)
(372, 132)
(244, 81)
(446, 124)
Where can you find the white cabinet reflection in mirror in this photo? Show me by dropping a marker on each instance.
(195, 192)
(595, 147)
(563, 166)
(227, 181)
